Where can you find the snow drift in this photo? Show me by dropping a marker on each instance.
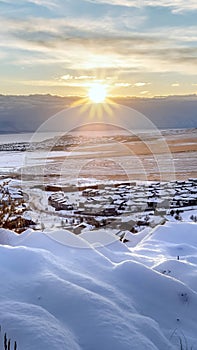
(56, 296)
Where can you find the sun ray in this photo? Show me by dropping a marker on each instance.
(96, 103)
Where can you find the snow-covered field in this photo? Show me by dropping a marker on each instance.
(82, 296)
(144, 156)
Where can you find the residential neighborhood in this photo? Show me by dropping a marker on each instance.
(117, 206)
(126, 206)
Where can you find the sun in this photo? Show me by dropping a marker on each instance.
(97, 93)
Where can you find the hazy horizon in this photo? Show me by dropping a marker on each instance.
(24, 114)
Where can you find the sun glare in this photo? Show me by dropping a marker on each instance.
(97, 93)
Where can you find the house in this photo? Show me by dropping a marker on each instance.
(87, 187)
(53, 188)
(110, 211)
(90, 192)
(152, 203)
(60, 204)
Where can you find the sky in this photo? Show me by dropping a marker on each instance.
(139, 48)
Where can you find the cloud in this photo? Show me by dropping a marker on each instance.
(67, 77)
(47, 3)
(43, 3)
(80, 77)
(69, 43)
(176, 5)
(54, 83)
(145, 92)
(121, 84)
(139, 84)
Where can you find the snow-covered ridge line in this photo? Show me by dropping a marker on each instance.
(80, 296)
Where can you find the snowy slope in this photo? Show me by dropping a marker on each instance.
(78, 296)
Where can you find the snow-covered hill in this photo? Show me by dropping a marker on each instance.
(78, 295)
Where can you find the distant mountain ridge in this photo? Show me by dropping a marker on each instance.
(19, 114)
